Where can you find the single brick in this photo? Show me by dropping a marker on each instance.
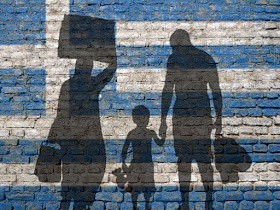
(257, 95)
(248, 148)
(167, 196)
(234, 196)
(198, 188)
(277, 195)
(274, 186)
(231, 205)
(270, 141)
(125, 206)
(232, 187)
(275, 131)
(157, 205)
(262, 157)
(242, 104)
(32, 188)
(275, 205)
(274, 167)
(245, 186)
(260, 187)
(242, 95)
(198, 205)
(261, 205)
(8, 178)
(246, 205)
(255, 112)
(48, 196)
(30, 150)
(112, 205)
(271, 95)
(16, 159)
(218, 205)
(277, 121)
(197, 196)
(34, 205)
(108, 196)
(257, 121)
(270, 112)
(260, 148)
(19, 90)
(52, 205)
(246, 141)
(109, 188)
(219, 196)
(141, 205)
(241, 112)
(258, 196)
(172, 205)
(20, 196)
(217, 187)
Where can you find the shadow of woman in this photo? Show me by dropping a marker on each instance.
(75, 144)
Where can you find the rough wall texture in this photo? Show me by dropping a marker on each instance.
(243, 38)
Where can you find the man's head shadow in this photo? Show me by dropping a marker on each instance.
(180, 38)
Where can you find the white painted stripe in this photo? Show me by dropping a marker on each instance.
(165, 174)
(139, 33)
(118, 127)
(237, 80)
(201, 32)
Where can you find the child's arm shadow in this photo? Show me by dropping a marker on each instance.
(158, 141)
(124, 153)
(122, 173)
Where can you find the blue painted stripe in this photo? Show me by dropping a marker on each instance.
(240, 56)
(178, 10)
(22, 22)
(114, 103)
(22, 92)
(224, 197)
(263, 150)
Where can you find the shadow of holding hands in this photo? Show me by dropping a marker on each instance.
(74, 153)
(138, 177)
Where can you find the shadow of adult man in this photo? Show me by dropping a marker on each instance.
(76, 131)
(190, 73)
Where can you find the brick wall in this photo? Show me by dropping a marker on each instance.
(241, 36)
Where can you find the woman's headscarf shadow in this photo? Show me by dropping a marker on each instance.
(76, 131)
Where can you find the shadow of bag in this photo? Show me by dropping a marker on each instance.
(230, 158)
(122, 180)
(48, 165)
(87, 37)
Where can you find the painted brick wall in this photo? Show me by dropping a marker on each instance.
(243, 38)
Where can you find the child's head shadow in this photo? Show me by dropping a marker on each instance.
(140, 116)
